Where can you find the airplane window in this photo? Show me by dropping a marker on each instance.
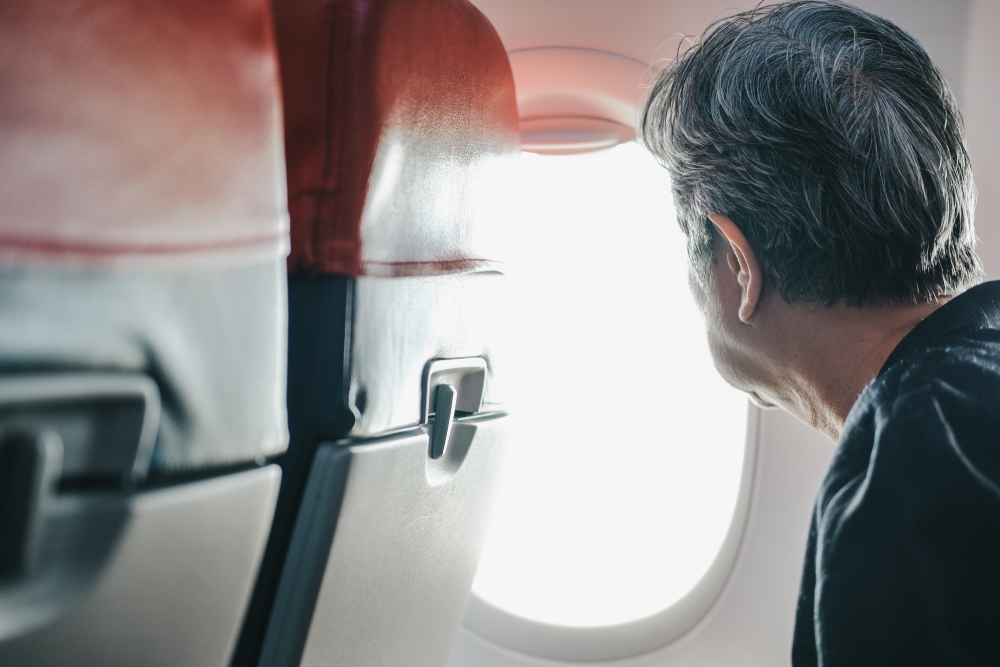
(629, 451)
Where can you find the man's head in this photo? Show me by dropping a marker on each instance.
(830, 139)
(820, 175)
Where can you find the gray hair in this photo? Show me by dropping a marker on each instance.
(830, 138)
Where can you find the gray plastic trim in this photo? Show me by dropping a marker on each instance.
(91, 392)
(467, 375)
(627, 639)
(156, 578)
(385, 549)
(213, 341)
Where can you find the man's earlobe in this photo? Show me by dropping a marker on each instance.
(744, 263)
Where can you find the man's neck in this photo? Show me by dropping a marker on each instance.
(836, 351)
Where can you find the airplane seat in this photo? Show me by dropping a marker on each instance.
(143, 235)
(400, 125)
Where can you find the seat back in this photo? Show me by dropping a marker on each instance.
(400, 123)
(143, 230)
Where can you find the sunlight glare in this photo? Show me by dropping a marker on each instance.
(623, 474)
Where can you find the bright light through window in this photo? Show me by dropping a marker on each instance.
(624, 473)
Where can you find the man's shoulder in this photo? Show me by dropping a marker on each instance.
(956, 346)
(934, 413)
(958, 374)
(908, 518)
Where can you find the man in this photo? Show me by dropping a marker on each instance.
(820, 175)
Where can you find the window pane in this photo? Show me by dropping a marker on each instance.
(624, 473)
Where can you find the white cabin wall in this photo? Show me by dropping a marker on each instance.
(980, 104)
(643, 30)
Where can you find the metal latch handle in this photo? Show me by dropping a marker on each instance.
(450, 386)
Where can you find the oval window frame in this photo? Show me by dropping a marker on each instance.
(624, 640)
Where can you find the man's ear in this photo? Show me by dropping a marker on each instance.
(743, 262)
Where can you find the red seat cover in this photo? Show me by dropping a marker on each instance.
(143, 132)
(396, 115)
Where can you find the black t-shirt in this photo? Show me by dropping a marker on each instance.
(903, 561)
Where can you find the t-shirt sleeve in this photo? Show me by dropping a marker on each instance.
(907, 555)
